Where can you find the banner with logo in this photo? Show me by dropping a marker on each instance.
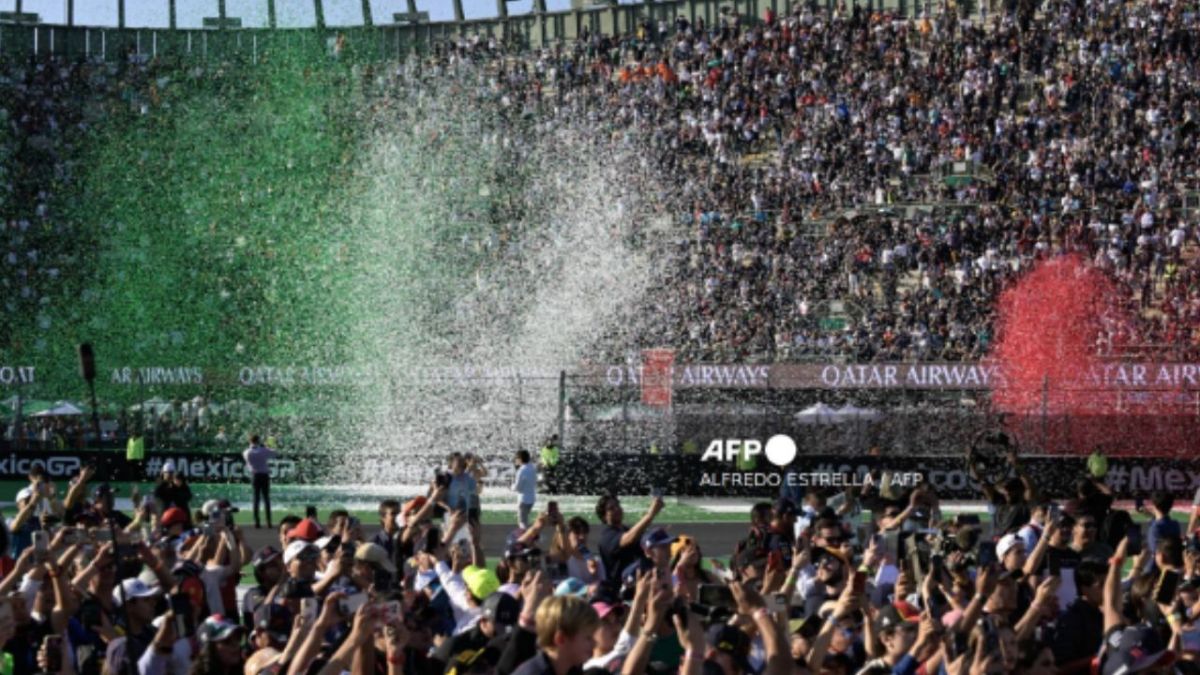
(197, 467)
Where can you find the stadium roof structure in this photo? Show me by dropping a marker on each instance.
(347, 14)
(352, 29)
(183, 14)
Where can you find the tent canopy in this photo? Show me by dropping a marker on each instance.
(60, 409)
(820, 413)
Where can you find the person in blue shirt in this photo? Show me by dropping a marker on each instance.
(460, 494)
(1162, 525)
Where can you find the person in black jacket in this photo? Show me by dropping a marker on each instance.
(172, 490)
(499, 610)
(523, 642)
(1080, 628)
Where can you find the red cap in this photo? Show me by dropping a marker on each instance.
(413, 504)
(307, 529)
(174, 516)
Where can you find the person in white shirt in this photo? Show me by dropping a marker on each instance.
(525, 485)
(221, 554)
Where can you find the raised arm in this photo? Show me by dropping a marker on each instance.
(1044, 600)
(23, 514)
(639, 655)
(436, 495)
(1031, 491)
(312, 643)
(1035, 557)
(989, 490)
(78, 487)
(1112, 588)
(634, 534)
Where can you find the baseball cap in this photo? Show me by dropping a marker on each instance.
(907, 610)
(168, 466)
(501, 608)
(603, 609)
(519, 550)
(174, 516)
(657, 537)
(133, 588)
(328, 541)
(1133, 650)
(103, 490)
(734, 642)
(480, 581)
(1007, 543)
(217, 628)
(264, 555)
(275, 619)
(376, 555)
(297, 549)
(890, 617)
(307, 529)
(412, 506)
(571, 586)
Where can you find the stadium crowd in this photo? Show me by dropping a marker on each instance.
(809, 151)
(799, 143)
(870, 580)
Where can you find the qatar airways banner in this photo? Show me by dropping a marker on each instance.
(1133, 377)
(1129, 376)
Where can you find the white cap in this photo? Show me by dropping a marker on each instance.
(168, 466)
(294, 549)
(323, 542)
(134, 588)
(1007, 543)
(210, 507)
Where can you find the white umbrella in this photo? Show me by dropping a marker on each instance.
(818, 413)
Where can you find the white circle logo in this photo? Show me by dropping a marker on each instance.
(781, 449)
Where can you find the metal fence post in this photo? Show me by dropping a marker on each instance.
(562, 408)
(1045, 410)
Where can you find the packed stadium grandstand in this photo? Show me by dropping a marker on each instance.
(794, 184)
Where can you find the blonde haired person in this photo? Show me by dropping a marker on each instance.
(565, 637)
